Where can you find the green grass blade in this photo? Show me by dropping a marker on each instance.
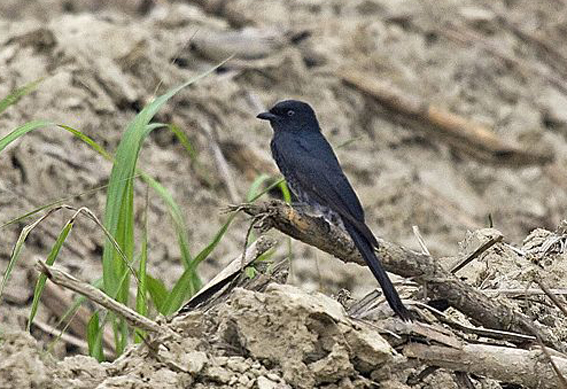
(255, 186)
(184, 141)
(18, 247)
(142, 292)
(119, 217)
(348, 142)
(36, 124)
(69, 313)
(22, 130)
(95, 146)
(213, 244)
(285, 192)
(17, 250)
(94, 338)
(158, 293)
(77, 302)
(287, 198)
(174, 210)
(269, 188)
(17, 94)
(43, 278)
(52, 205)
(181, 291)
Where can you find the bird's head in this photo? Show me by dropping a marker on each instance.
(291, 115)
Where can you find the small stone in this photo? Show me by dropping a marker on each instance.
(334, 366)
(250, 384)
(243, 380)
(371, 349)
(217, 373)
(238, 364)
(265, 383)
(163, 378)
(274, 377)
(221, 361)
(194, 361)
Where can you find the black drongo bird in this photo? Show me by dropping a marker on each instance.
(315, 177)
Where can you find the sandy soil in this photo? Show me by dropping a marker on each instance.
(105, 61)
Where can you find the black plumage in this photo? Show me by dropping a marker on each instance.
(314, 175)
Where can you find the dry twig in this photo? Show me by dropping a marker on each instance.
(96, 295)
(469, 258)
(420, 240)
(485, 332)
(549, 293)
(459, 132)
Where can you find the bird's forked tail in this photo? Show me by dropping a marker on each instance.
(367, 251)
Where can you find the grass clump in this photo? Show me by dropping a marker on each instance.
(122, 261)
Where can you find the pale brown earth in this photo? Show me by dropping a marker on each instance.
(106, 60)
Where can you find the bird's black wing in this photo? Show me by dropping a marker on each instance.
(313, 164)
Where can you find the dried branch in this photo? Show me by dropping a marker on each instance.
(425, 270)
(96, 295)
(459, 132)
(558, 372)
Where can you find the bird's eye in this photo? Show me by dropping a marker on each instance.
(291, 112)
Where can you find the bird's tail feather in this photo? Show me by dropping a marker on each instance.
(375, 266)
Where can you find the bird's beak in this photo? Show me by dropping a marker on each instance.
(266, 116)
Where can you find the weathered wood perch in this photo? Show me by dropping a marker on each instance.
(460, 133)
(522, 367)
(439, 283)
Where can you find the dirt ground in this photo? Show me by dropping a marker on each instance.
(498, 64)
